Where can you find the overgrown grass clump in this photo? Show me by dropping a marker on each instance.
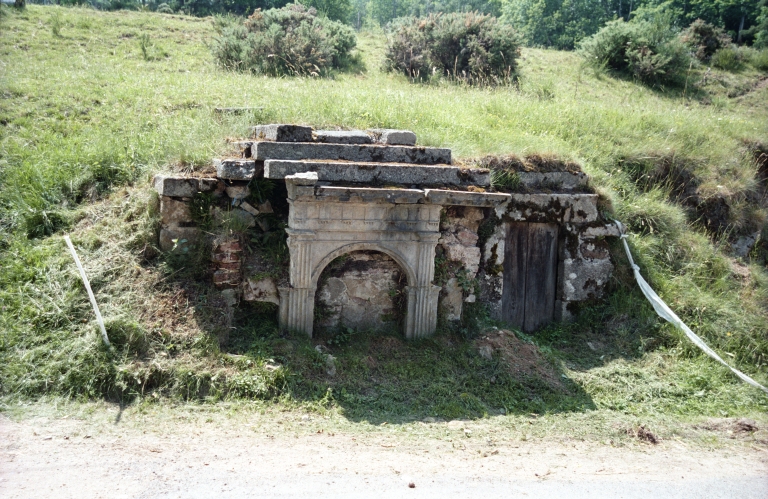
(291, 41)
(472, 47)
(86, 119)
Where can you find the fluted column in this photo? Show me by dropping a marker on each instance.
(301, 295)
(422, 296)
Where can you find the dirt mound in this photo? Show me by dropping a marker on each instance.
(519, 357)
(735, 427)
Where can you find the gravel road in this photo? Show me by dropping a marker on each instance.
(44, 458)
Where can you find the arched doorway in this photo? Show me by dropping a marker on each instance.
(361, 290)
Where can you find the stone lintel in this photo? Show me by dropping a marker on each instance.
(282, 133)
(370, 194)
(560, 207)
(462, 198)
(346, 152)
(379, 173)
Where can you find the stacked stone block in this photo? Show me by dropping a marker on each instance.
(178, 230)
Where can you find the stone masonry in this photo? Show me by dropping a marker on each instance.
(391, 208)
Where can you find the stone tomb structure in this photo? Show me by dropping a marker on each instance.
(529, 256)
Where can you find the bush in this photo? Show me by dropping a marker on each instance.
(469, 46)
(288, 41)
(646, 49)
(759, 59)
(704, 39)
(727, 58)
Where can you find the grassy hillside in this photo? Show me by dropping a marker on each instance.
(93, 103)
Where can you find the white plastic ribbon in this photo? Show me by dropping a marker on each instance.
(667, 314)
(88, 288)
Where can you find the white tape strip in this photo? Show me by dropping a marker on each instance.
(667, 314)
(88, 288)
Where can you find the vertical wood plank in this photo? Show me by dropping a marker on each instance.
(515, 271)
(541, 275)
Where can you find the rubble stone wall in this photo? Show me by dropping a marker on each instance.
(360, 291)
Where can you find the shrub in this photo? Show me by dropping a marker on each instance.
(727, 58)
(292, 40)
(704, 39)
(645, 49)
(759, 59)
(470, 46)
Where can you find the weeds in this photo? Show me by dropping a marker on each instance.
(145, 45)
(505, 179)
(55, 21)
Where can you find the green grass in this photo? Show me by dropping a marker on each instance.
(93, 103)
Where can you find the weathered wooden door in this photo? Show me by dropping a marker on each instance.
(530, 274)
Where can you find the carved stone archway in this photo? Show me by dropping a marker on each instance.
(327, 222)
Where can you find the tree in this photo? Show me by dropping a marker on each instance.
(556, 23)
(337, 10)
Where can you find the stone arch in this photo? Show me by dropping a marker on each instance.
(349, 248)
(325, 222)
(364, 288)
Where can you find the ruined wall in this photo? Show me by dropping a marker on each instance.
(348, 191)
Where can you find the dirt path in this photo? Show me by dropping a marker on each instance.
(57, 458)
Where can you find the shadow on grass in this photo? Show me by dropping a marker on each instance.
(383, 378)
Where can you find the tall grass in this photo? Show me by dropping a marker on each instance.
(85, 114)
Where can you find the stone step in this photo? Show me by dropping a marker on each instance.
(393, 137)
(379, 173)
(342, 137)
(282, 133)
(365, 153)
(237, 168)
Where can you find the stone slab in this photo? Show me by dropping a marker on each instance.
(543, 207)
(302, 178)
(392, 137)
(176, 187)
(301, 186)
(263, 290)
(342, 137)
(365, 153)
(238, 169)
(462, 198)
(282, 133)
(174, 212)
(379, 173)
